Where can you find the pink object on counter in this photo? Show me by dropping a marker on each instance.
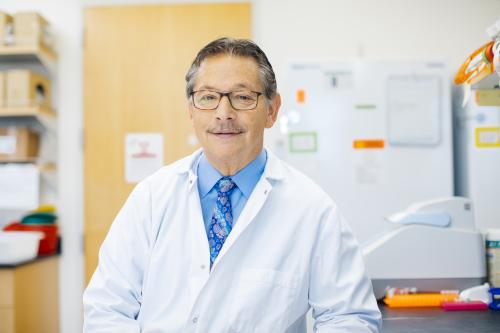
(464, 306)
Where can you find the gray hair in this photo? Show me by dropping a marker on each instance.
(237, 47)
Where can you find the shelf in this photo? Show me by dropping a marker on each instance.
(29, 53)
(27, 111)
(44, 115)
(5, 160)
(45, 167)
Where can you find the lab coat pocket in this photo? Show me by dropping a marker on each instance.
(262, 300)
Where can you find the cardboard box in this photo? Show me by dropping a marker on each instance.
(18, 144)
(26, 88)
(31, 28)
(6, 26)
(3, 96)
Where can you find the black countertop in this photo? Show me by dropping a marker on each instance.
(436, 320)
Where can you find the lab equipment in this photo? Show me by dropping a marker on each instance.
(494, 34)
(495, 299)
(424, 253)
(464, 306)
(477, 153)
(418, 300)
(481, 63)
(493, 256)
(371, 133)
(477, 66)
(477, 293)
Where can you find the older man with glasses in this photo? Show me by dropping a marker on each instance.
(230, 239)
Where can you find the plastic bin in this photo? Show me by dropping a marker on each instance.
(48, 244)
(18, 246)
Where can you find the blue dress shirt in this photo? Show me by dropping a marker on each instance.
(245, 180)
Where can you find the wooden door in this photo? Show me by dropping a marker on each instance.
(135, 59)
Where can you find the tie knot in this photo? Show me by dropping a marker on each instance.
(225, 185)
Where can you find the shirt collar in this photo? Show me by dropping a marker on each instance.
(245, 179)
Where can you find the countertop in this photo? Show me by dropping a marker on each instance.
(436, 320)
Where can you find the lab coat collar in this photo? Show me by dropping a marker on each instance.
(274, 169)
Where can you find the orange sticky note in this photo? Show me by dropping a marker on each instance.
(368, 144)
(301, 96)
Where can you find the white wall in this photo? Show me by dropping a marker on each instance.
(65, 17)
(448, 29)
(286, 29)
(384, 29)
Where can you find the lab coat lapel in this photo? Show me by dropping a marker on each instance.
(196, 231)
(255, 202)
(198, 237)
(195, 223)
(252, 208)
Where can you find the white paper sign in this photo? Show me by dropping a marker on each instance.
(414, 110)
(143, 155)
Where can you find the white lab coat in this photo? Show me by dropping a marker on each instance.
(289, 250)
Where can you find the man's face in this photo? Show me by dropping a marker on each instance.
(227, 134)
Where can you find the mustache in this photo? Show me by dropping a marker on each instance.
(226, 129)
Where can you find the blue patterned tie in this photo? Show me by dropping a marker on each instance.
(222, 219)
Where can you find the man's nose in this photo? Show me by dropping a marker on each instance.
(225, 110)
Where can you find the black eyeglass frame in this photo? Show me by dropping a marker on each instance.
(222, 94)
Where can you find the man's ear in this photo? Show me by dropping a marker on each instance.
(272, 110)
(190, 112)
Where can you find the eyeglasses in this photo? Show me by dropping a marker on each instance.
(239, 100)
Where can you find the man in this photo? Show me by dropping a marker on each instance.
(230, 239)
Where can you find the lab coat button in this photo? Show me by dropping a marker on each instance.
(195, 320)
(202, 266)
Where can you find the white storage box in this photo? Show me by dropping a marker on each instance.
(19, 187)
(18, 246)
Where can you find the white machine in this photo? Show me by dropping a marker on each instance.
(477, 130)
(376, 135)
(434, 247)
(477, 151)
